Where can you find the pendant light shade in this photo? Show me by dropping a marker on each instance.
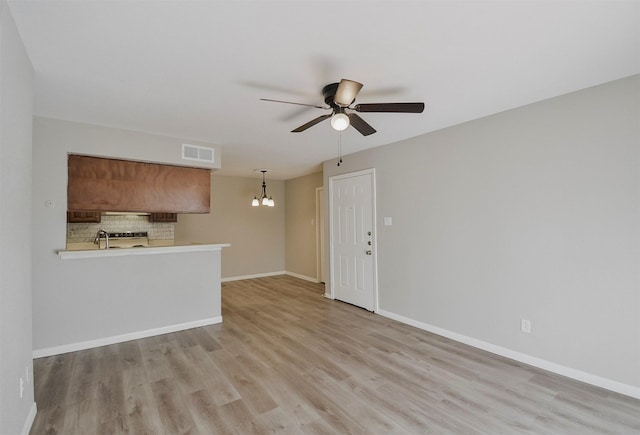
(264, 199)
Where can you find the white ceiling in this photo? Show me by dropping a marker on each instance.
(197, 69)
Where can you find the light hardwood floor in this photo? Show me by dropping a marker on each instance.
(287, 360)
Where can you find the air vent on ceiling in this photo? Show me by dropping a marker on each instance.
(194, 152)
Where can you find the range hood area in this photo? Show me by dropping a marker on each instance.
(120, 196)
(124, 213)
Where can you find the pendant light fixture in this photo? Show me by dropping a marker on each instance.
(264, 199)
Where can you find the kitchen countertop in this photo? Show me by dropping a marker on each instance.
(90, 250)
(90, 246)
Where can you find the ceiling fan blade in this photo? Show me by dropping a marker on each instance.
(346, 92)
(311, 123)
(361, 125)
(297, 104)
(390, 107)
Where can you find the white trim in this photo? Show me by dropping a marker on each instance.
(73, 347)
(267, 274)
(306, 278)
(319, 233)
(609, 384)
(26, 428)
(374, 238)
(257, 275)
(372, 174)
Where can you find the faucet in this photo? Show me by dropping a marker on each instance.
(106, 238)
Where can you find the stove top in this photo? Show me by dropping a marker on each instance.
(126, 239)
(128, 234)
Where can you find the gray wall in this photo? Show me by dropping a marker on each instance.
(256, 234)
(531, 213)
(65, 289)
(301, 222)
(16, 96)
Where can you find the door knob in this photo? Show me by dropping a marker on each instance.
(368, 252)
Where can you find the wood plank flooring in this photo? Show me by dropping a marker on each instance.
(288, 361)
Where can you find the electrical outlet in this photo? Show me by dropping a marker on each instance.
(525, 325)
(21, 387)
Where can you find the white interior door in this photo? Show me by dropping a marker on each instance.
(352, 229)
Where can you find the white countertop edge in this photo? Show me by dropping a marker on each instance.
(121, 252)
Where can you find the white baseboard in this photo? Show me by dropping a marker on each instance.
(257, 275)
(306, 278)
(267, 274)
(26, 428)
(73, 347)
(618, 387)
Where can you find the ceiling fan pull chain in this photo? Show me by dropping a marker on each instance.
(339, 148)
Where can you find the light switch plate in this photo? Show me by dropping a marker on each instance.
(388, 221)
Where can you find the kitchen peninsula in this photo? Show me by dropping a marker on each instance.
(125, 294)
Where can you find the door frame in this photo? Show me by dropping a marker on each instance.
(374, 257)
(320, 236)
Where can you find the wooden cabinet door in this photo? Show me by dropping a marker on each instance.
(163, 217)
(81, 217)
(121, 185)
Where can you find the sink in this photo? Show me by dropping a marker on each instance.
(127, 247)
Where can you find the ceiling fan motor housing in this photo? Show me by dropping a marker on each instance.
(329, 93)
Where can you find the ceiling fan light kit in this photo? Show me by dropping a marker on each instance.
(339, 98)
(264, 199)
(340, 121)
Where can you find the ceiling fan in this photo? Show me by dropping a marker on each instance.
(339, 98)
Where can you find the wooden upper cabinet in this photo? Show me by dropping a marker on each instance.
(163, 217)
(99, 184)
(75, 217)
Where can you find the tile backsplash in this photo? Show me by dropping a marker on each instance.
(85, 233)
